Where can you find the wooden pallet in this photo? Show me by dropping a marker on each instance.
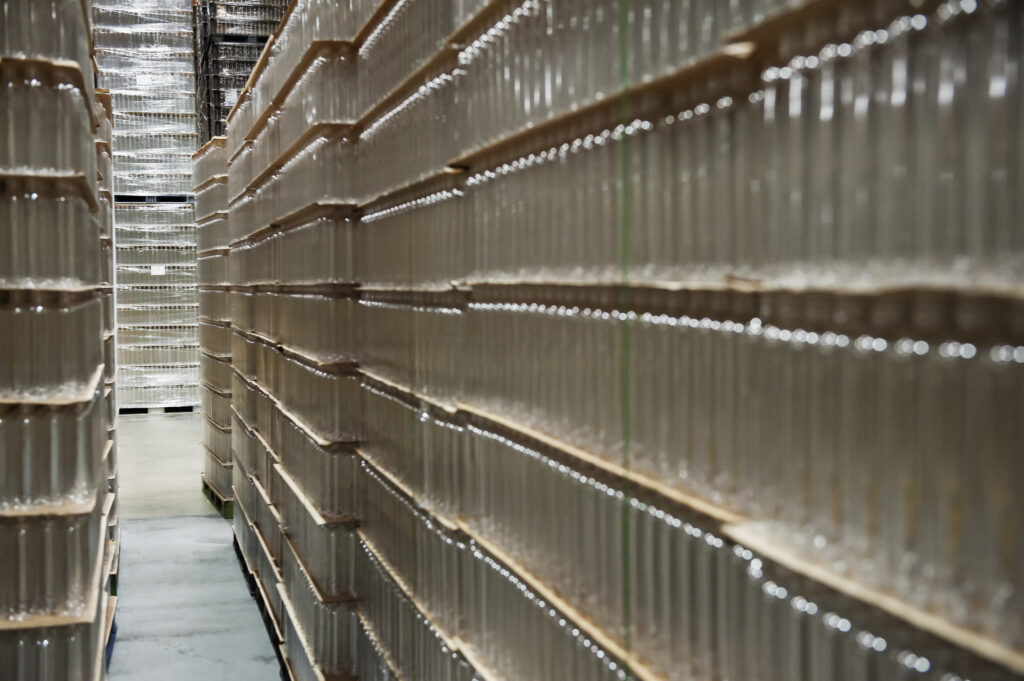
(226, 507)
(114, 568)
(264, 608)
(111, 633)
(187, 409)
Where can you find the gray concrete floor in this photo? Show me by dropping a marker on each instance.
(183, 610)
(160, 460)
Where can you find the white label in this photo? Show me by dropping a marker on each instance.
(158, 270)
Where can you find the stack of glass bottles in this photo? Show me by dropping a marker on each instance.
(209, 178)
(58, 468)
(145, 59)
(632, 340)
(229, 37)
(105, 198)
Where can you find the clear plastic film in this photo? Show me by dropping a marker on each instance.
(325, 474)
(328, 404)
(152, 184)
(155, 295)
(122, 59)
(146, 355)
(76, 433)
(752, 469)
(859, 431)
(110, 409)
(175, 41)
(107, 262)
(229, 54)
(224, 61)
(215, 305)
(139, 80)
(217, 408)
(104, 176)
(247, 401)
(107, 300)
(109, 360)
(327, 626)
(434, 372)
(416, 240)
(127, 124)
(243, 11)
(423, 543)
(170, 102)
(155, 255)
(318, 251)
(136, 19)
(182, 315)
(49, 238)
(464, 10)
(417, 445)
(158, 396)
(310, 20)
(215, 372)
(663, 614)
(317, 98)
(52, 561)
(407, 638)
(159, 275)
(159, 214)
(217, 474)
(244, 362)
(212, 198)
(62, 652)
(424, 116)
(50, 346)
(217, 439)
(149, 236)
(246, 22)
(317, 326)
(48, 124)
(157, 335)
(213, 234)
(209, 162)
(152, 162)
(154, 376)
(105, 218)
(732, 226)
(215, 338)
(321, 172)
(56, 30)
(404, 39)
(326, 548)
(251, 544)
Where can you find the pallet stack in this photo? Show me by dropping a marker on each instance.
(105, 199)
(210, 178)
(144, 53)
(58, 483)
(615, 341)
(229, 37)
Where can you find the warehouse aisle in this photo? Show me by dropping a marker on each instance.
(183, 609)
(160, 461)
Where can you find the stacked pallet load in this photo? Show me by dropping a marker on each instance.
(56, 503)
(632, 340)
(229, 37)
(145, 60)
(209, 176)
(105, 200)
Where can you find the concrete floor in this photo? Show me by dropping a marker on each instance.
(160, 460)
(183, 610)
